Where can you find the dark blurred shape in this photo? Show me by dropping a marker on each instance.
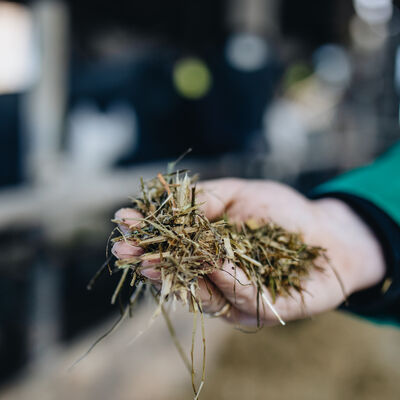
(157, 35)
(224, 120)
(10, 140)
(19, 249)
(315, 22)
(190, 25)
(307, 181)
(82, 309)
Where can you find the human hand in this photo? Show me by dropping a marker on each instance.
(353, 251)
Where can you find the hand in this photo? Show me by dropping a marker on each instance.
(352, 248)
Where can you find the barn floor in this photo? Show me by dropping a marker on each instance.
(333, 356)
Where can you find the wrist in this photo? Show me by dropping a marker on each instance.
(352, 246)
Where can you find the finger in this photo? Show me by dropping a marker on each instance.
(240, 318)
(127, 219)
(217, 196)
(211, 299)
(153, 275)
(126, 249)
(244, 296)
(149, 272)
(235, 286)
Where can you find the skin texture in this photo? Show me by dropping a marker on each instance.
(352, 248)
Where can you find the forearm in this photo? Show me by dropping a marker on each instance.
(373, 193)
(348, 238)
(380, 301)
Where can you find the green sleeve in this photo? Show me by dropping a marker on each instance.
(378, 183)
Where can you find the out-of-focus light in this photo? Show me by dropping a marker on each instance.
(97, 139)
(17, 66)
(286, 133)
(192, 78)
(364, 37)
(374, 12)
(332, 65)
(246, 52)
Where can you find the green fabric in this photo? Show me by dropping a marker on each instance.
(378, 183)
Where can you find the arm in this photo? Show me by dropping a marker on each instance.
(373, 192)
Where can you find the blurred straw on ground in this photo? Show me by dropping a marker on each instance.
(333, 356)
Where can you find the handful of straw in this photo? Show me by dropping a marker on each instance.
(185, 246)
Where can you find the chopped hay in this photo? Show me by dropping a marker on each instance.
(185, 246)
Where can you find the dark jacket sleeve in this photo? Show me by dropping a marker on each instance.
(373, 192)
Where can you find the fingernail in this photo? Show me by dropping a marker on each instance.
(114, 251)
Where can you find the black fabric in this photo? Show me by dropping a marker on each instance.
(372, 302)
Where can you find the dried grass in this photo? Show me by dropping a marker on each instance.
(185, 247)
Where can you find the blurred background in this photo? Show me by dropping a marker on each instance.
(94, 95)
